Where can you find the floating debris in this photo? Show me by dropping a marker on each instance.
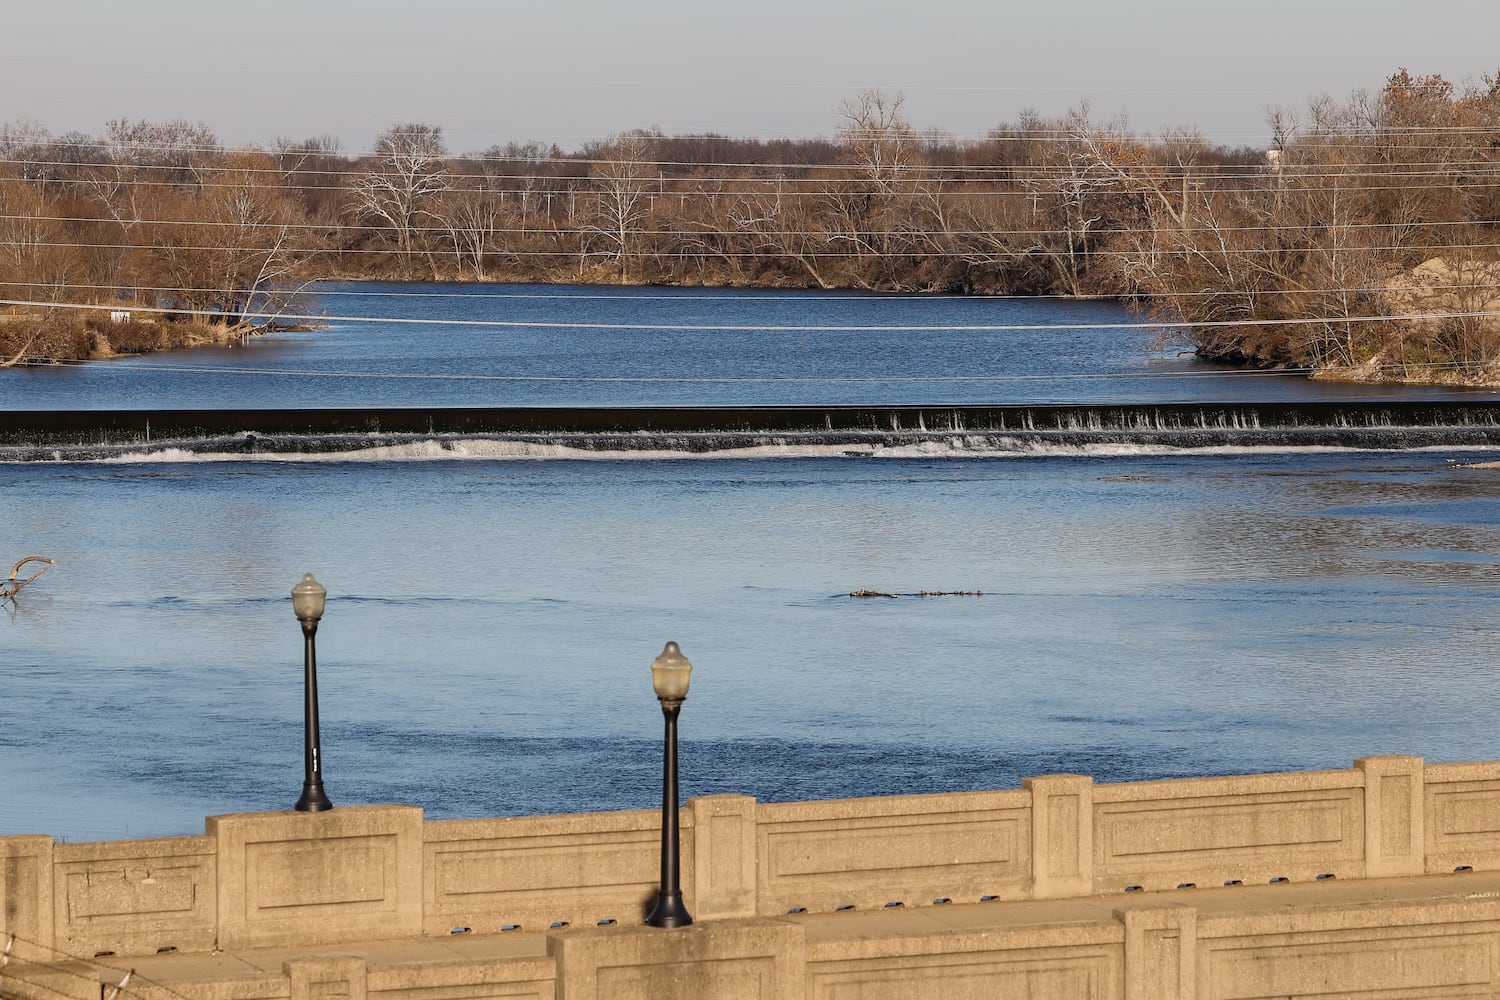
(920, 593)
(12, 585)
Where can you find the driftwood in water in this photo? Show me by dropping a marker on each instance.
(13, 583)
(920, 593)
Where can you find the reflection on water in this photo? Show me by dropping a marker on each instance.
(665, 346)
(489, 627)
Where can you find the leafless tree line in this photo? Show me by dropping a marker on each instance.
(1368, 212)
(1336, 221)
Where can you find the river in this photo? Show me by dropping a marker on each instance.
(1147, 609)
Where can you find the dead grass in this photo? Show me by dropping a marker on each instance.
(33, 338)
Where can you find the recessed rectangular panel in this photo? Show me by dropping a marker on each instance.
(480, 870)
(797, 852)
(992, 977)
(1466, 813)
(1379, 966)
(1158, 834)
(335, 871)
(725, 979)
(117, 892)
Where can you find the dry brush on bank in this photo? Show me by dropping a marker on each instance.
(1368, 244)
(61, 334)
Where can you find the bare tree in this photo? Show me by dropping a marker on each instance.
(225, 250)
(1075, 194)
(873, 207)
(472, 217)
(778, 222)
(172, 152)
(408, 170)
(622, 182)
(27, 144)
(37, 260)
(314, 168)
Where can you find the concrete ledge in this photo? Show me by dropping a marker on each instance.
(305, 878)
(1426, 936)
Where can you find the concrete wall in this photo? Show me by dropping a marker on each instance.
(361, 873)
(1383, 950)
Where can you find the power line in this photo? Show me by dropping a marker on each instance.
(897, 132)
(849, 170)
(1153, 325)
(243, 372)
(586, 231)
(806, 296)
(856, 252)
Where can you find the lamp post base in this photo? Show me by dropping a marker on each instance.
(669, 911)
(313, 800)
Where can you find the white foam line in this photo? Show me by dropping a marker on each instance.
(496, 450)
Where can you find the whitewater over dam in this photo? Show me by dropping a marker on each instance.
(762, 431)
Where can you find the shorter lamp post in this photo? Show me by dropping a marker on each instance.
(669, 678)
(307, 601)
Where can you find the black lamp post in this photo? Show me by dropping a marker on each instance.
(669, 677)
(307, 601)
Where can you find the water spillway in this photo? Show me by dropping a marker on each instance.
(657, 431)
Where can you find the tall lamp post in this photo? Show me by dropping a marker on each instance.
(307, 601)
(669, 678)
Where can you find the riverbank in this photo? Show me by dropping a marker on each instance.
(1375, 373)
(74, 335)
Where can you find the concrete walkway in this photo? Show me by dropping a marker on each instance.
(460, 965)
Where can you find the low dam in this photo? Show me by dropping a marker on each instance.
(535, 432)
(1379, 880)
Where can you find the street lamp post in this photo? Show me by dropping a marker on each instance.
(669, 678)
(307, 601)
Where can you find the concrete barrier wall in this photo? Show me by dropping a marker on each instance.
(356, 873)
(131, 897)
(911, 850)
(1461, 807)
(534, 872)
(1382, 949)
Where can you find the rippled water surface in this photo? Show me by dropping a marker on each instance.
(490, 622)
(533, 345)
(489, 627)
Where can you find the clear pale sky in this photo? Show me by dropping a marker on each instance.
(491, 71)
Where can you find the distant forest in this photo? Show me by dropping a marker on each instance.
(1306, 252)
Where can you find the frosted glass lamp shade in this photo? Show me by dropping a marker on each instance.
(670, 672)
(307, 599)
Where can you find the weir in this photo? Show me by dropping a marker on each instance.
(91, 434)
(1382, 879)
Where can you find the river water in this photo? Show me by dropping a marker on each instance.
(603, 346)
(1146, 610)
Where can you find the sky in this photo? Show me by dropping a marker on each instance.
(568, 71)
